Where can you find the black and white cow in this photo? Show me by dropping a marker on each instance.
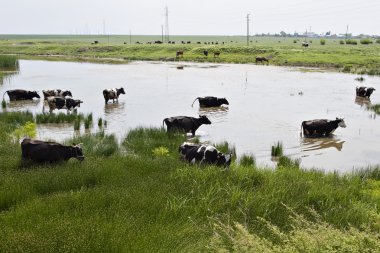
(203, 154)
(56, 93)
(112, 94)
(210, 101)
(185, 123)
(364, 92)
(321, 127)
(63, 103)
(21, 95)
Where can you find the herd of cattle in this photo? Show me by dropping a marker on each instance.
(41, 151)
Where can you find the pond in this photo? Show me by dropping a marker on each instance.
(267, 104)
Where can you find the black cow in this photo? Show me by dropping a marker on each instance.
(56, 93)
(210, 101)
(205, 52)
(261, 59)
(364, 92)
(21, 94)
(203, 154)
(42, 151)
(216, 54)
(112, 94)
(179, 54)
(321, 127)
(158, 42)
(63, 103)
(185, 124)
(305, 44)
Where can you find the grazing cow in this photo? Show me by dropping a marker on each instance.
(56, 93)
(179, 54)
(321, 127)
(205, 52)
(21, 94)
(63, 103)
(261, 59)
(158, 42)
(188, 42)
(210, 101)
(216, 54)
(42, 151)
(364, 92)
(112, 94)
(185, 124)
(305, 44)
(203, 154)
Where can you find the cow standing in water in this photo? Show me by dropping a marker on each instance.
(321, 127)
(179, 54)
(21, 95)
(42, 151)
(203, 154)
(185, 124)
(210, 101)
(112, 94)
(56, 93)
(364, 92)
(63, 103)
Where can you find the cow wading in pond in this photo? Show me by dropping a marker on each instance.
(185, 124)
(112, 94)
(42, 151)
(63, 103)
(364, 92)
(210, 101)
(203, 154)
(21, 95)
(56, 93)
(321, 127)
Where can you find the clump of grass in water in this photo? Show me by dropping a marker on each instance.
(287, 162)
(100, 122)
(3, 104)
(88, 121)
(360, 79)
(277, 150)
(58, 118)
(375, 108)
(8, 62)
(247, 160)
(77, 124)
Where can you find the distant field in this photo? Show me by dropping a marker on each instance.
(360, 58)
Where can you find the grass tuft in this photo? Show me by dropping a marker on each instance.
(277, 150)
(247, 160)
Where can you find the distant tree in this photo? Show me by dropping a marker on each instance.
(283, 34)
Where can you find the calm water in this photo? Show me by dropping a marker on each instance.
(265, 105)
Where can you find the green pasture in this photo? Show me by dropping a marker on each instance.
(327, 53)
(138, 196)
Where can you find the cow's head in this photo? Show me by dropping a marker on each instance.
(34, 94)
(78, 102)
(67, 93)
(370, 90)
(223, 160)
(224, 101)
(78, 152)
(120, 91)
(204, 119)
(341, 122)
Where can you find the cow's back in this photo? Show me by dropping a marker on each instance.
(41, 151)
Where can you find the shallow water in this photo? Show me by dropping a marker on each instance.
(265, 105)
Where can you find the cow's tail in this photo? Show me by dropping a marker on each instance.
(194, 101)
(163, 122)
(301, 129)
(4, 94)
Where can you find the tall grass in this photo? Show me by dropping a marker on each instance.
(366, 41)
(8, 62)
(58, 118)
(247, 160)
(3, 104)
(277, 149)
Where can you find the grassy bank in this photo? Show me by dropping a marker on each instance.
(130, 198)
(354, 58)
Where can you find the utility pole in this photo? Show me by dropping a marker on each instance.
(248, 29)
(130, 37)
(167, 24)
(347, 32)
(162, 33)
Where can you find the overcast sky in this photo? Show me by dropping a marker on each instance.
(190, 17)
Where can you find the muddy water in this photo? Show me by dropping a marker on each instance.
(267, 104)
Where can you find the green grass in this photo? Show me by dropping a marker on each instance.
(8, 62)
(59, 118)
(361, 58)
(277, 149)
(122, 198)
(375, 108)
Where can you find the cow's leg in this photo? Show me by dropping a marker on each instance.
(193, 133)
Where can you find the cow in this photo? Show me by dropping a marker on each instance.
(158, 42)
(56, 93)
(203, 154)
(205, 52)
(261, 59)
(112, 94)
(364, 92)
(305, 44)
(185, 124)
(179, 54)
(21, 95)
(210, 101)
(63, 103)
(42, 151)
(321, 127)
(216, 54)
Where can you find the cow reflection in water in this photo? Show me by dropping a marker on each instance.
(366, 102)
(114, 108)
(312, 144)
(216, 113)
(22, 104)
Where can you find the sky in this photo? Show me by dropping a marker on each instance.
(190, 17)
